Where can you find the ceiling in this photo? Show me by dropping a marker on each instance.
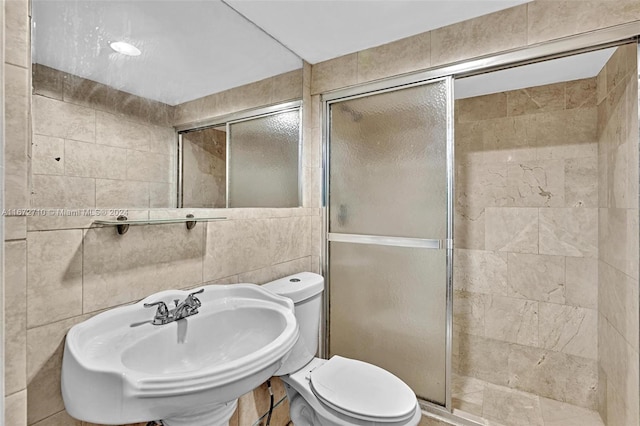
(189, 48)
(193, 48)
(570, 68)
(321, 30)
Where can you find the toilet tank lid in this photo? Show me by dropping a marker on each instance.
(298, 287)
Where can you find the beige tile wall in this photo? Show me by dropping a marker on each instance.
(535, 22)
(618, 312)
(94, 146)
(76, 273)
(16, 70)
(526, 212)
(123, 157)
(517, 27)
(91, 269)
(274, 90)
(545, 20)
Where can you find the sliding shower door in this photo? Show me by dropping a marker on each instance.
(389, 232)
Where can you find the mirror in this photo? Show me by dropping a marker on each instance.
(105, 116)
(250, 161)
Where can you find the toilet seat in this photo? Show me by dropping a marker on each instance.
(362, 391)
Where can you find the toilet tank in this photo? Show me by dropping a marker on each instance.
(305, 290)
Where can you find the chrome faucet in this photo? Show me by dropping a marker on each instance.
(185, 309)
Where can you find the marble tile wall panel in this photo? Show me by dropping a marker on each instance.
(236, 246)
(533, 100)
(581, 93)
(479, 358)
(512, 408)
(15, 228)
(618, 237)
(119, 269)
(148, 166)
(512, 320)
(15, 316)
(398, 57)
(536, 277)
(581, 182)
(506, 139)
(94, 161)
(49, 191)
(511, 229)
(480, 271)
(469, 312)
(16, 94)
(274, 90)
(537, 183)
(568, 329)
(60, 419)
(581, 282)
(54, 286)
(619, 361)
(15, 408)
(498, 31)
(47, 155)
(556, 413)
(334, 74)
(63, 120)
(569, 232)
(547, 20)
(481, 185)
(86, 129)
(541, 218)
(617, 414)
(469, 232)
(45, 346)
(555, 375)
(480, 108)
(618, 302)
(17, 33)
(276, 271)
(121, 194)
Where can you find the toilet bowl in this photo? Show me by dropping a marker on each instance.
(338, 391)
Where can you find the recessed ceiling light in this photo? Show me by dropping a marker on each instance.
(125, 48)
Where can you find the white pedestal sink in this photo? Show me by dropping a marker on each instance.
(119, 368)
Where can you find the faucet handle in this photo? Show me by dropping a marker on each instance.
(162, 311)
(193, 299)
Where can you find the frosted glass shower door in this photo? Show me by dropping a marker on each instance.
(389, 232)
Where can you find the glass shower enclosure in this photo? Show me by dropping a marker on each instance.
(388, 189)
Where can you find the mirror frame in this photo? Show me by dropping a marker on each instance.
(226, 120)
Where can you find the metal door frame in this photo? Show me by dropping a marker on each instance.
(446, 243)
(568, 46)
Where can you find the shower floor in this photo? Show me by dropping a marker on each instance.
(495, 405)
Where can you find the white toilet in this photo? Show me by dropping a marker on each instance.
(338, 391)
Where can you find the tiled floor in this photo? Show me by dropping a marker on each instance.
(495, 405)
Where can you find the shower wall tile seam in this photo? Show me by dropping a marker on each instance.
(620, 334)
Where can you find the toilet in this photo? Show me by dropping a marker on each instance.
(338, 391)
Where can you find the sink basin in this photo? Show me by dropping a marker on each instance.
(119, 368)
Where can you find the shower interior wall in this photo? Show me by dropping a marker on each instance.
(544, 291)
